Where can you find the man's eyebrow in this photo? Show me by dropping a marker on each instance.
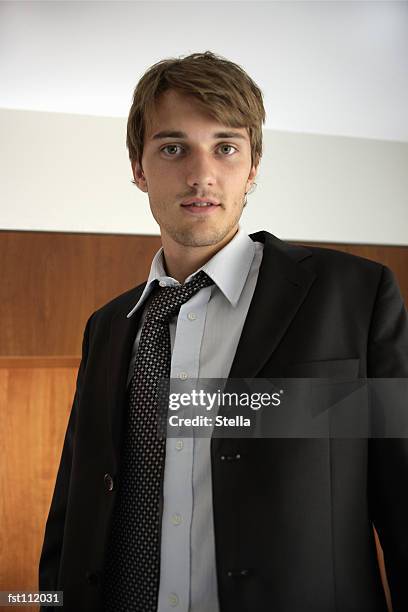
(176, 134)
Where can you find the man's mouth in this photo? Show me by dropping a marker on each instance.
(200, 205)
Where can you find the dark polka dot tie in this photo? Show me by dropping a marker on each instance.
(131, 581)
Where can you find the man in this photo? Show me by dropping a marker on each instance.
(201, 525)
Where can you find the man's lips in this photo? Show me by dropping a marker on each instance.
(191, 201)
(200, 205)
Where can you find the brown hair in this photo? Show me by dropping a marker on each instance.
(223, 90)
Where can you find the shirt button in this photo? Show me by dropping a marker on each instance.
(183, 375)
(176, 519)
(179, 445)
(162, 283)
(191, 316)
(173, 600)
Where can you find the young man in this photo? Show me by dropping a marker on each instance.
(234, 525)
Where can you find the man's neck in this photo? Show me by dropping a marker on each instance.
(180, 261)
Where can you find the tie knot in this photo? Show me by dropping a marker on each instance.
(167, 301)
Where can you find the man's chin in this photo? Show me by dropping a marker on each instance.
(200, 238)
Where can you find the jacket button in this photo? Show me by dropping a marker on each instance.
(93, 578)
(238, 573)
(109, 484)
(235, 457)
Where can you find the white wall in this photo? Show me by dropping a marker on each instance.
(335, 79)
(329, 67)
(63, 172)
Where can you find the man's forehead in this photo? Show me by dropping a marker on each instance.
(164, 120)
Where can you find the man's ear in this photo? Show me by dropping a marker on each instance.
(139, 177)
(251, 177)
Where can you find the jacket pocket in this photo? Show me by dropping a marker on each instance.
(332, 368)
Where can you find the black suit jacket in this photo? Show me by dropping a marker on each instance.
(292, 517)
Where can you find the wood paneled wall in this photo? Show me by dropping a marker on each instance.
(35, 402)
(50, 284)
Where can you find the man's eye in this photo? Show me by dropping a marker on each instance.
(227, 146)
(173, 146)
(172, 149)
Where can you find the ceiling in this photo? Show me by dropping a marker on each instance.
(324, 67)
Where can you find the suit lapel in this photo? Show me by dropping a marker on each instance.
(122, 336)
(281, 288)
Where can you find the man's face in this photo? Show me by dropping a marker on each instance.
(188, 156)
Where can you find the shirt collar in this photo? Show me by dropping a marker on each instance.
(228, 269)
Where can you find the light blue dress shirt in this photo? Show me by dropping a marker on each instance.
(204, 338)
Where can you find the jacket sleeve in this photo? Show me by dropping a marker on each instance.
(54, 531)
(388, 458)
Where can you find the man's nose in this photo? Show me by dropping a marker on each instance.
(201, 171)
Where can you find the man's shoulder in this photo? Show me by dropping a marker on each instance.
(328, 256)
(321, 258)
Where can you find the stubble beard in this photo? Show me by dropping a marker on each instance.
(198, 234)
